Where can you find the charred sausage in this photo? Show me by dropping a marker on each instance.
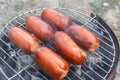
(39, 27)
(56, 18)
(23, 39)
(68, 48)
(51, 63)
(83, 37)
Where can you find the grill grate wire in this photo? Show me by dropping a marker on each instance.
(96, 67)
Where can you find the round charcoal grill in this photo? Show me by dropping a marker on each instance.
(15, 65)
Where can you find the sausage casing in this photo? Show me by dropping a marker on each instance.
(23, 39)
(39, 27)
(83, 37)
(68, 48)
(53, 64)
(56, 18)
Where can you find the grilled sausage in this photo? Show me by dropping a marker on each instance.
(51, 63)
(68, 48)
(56, 18)
(39, 27)
(83, 37)
(23, 39)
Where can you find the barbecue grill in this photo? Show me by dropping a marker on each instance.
(15, 65)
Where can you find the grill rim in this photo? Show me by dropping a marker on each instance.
(116, 43)
(102, 22)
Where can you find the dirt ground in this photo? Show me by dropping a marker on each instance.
(109, 10)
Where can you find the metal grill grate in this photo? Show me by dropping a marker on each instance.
(15, 65)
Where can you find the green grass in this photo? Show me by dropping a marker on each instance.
(18, 7)
(113, 1)
(32, 4)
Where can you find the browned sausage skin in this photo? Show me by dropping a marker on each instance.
(39, 27)
(83, 37)
(51, 63)
(68, 48)
(60, 20)
(23, 39)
